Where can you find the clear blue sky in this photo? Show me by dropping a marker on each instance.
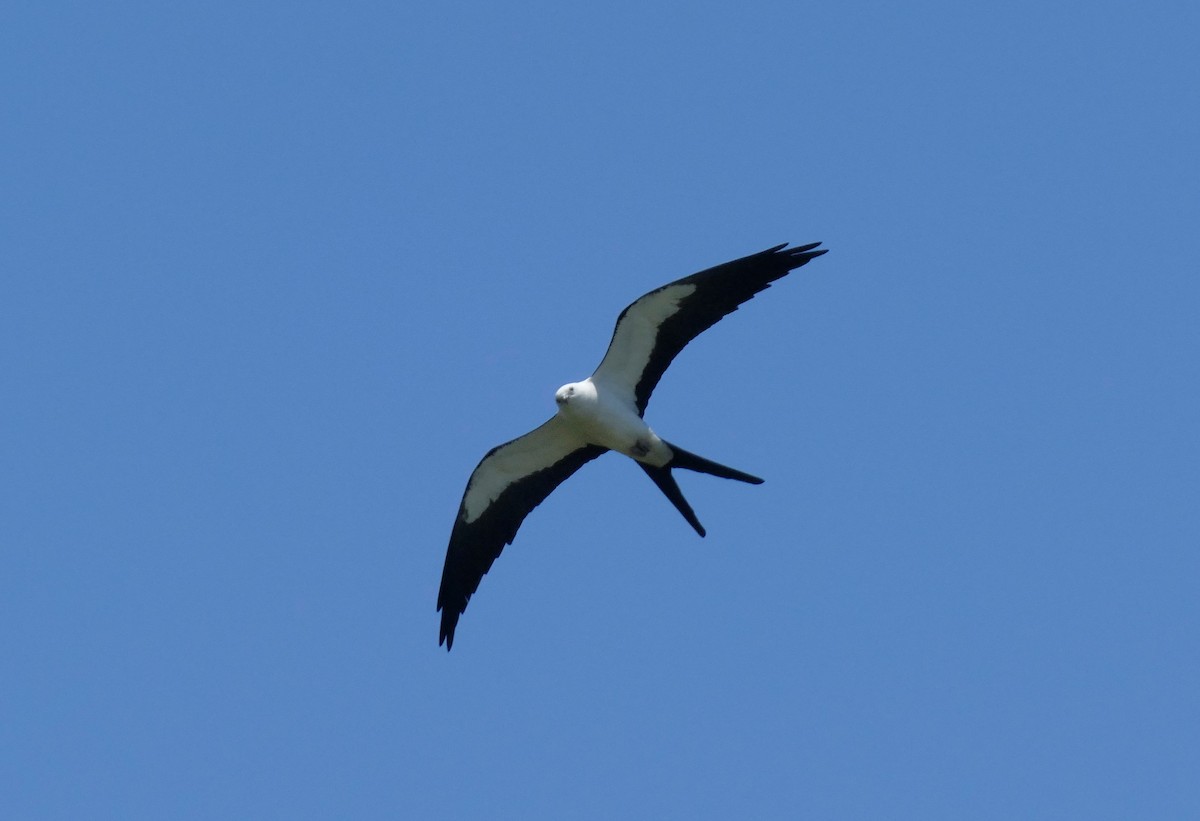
(276, 275)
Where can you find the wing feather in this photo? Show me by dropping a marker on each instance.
(509, 482)
(653, 329)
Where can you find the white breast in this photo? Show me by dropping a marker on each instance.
(609, 419)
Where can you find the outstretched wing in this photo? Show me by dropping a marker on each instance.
(508, 483)
(656, 327)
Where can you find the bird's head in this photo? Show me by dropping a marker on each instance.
(564, 394)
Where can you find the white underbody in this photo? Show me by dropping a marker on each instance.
(605, 416)
(600, 410)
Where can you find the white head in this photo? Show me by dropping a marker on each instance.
(566, 393)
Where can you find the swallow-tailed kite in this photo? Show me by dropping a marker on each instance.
(601, 413)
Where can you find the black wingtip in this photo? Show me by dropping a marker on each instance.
(803, 253)
(446, 634)
(792, 258)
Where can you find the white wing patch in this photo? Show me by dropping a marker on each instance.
(511, 462)
(633, 341)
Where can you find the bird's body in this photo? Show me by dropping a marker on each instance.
(601, 413)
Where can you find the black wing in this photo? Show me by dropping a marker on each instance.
(652, 330)
(509, 482)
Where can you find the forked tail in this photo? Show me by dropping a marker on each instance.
(662, 477)
(690, 461)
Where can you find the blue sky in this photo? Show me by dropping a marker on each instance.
(277, 275)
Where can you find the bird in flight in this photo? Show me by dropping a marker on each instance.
(601, 413)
